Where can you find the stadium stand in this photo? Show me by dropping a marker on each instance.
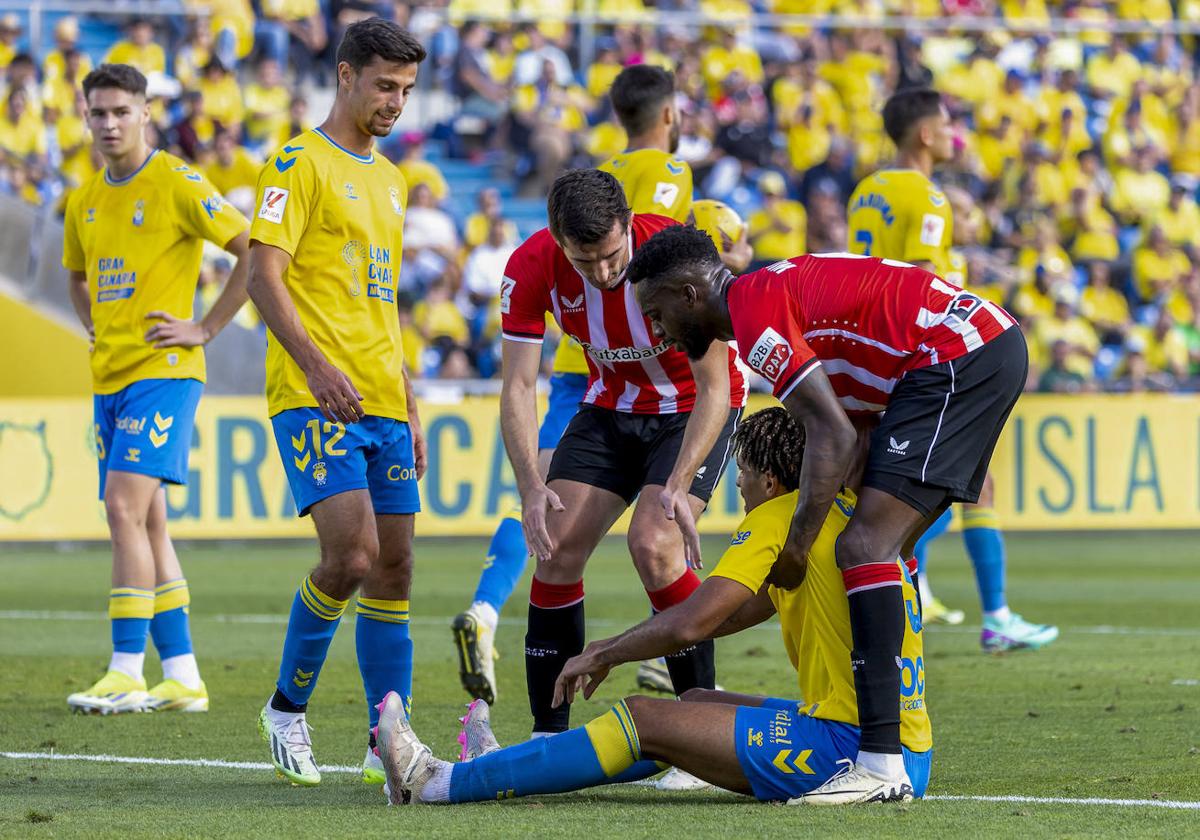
(1074, 186)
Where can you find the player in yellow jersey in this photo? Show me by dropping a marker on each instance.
(325, 253)
(770, 748)
(900, 214)
(133, 239)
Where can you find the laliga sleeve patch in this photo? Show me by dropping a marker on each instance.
(507, 285)
(666, 193)
(274, 201)
(770, 355)
(933, 227)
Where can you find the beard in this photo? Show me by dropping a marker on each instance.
(694, 341)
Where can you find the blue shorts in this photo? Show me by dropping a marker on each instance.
(146, 428)
(785, 754)
(322, 459)
(566, 393)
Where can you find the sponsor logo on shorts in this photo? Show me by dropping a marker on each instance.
(897, 447)
(700, 472)
(274, 201)
(624, 354)
(770, 354)
(131, 425)
(133, 456)
(398, 473)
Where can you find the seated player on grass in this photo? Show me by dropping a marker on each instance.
(770, 748)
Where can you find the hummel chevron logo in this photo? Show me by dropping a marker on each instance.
(299, 442)
(800, 762)
(158, 438)
(163, 423)
(284, 164)
(675, 168)
(302, 678)
(302, 463)
(897, 448)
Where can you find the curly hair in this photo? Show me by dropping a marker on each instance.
(771, 441)
(584, 204)
(680, 251)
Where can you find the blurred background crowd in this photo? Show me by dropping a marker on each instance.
(1074, 184)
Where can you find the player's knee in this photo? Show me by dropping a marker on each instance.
(656, 556)
(350, 563)
(853, 548)
(698, 695)
(122, 514)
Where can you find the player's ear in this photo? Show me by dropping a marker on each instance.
(690, 295)
(345, 74)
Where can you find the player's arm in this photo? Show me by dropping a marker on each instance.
(750, 614)
(698, 618)
(830, 443)
(420, 457)
(335, 394)
(81, 300)
(520, 363)
(169, 331)
(704, 425)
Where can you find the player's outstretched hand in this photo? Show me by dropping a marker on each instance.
(677, 508)
(580, 673)
(336, 395)
(533, 519)
(169, 331)
(737, 256)
(790, 567)
(420, 449)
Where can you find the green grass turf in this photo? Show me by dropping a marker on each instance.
(1095, 715)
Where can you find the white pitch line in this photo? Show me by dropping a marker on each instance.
(344, 768)
(439, 620)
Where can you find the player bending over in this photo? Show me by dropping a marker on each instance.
(840, 334)
(771, 748)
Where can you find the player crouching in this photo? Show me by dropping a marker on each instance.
(770, 748)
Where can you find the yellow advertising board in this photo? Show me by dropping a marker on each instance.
(1064, 463)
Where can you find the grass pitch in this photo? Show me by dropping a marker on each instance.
(1111, 710)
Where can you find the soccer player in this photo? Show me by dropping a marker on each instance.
(651, 425)
(771, 748)
(836, 334)
(133, 240)
(654, 181)
(900, 214)
(324, 258)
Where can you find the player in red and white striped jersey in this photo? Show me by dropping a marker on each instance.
(841, 334)
(653, 423)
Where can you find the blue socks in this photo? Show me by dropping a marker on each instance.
(385, 652)
(311, 625)
(506, 558)
(604, 751)
(170, 629)
(985, 546)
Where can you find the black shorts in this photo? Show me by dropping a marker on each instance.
(936, 438)
(622, 453)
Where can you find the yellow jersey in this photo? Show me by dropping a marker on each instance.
(149, 59)
(654, 182)
(815, 617)
(242, 171)
(140, 242)
(900, 214)
(340, 216)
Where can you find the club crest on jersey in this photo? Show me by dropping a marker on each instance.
(394, 195)
(770, 355)
(91, 216)
(139, 213)
(350, 191)
(572, 304)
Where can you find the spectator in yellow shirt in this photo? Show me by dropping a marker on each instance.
(998, 146)
(1185, 135)
(1102, 305)
(727, 57)
(59, 93)
(779, 230)
(1112, 73)
(232, 167)
(1090, 229)
(1011, 101)
(1157, 266)
(1045, 253)
(803, 88)
(1180, 219)
(1140, 193)
(1063, 324)
(1165, 345)
(139, 50)
(22, 134)
(10, 31)
(416, 170)
(479, 223)
(604, 69)
(193, 55)
(222, 96)
(66, 41)
(266, 101)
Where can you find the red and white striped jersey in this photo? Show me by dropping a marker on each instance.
(866, 321)
(630, 370)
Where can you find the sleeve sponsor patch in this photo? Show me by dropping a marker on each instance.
(274, 201)
(507, 284)
(770, 355)
(666, 193)
(933, 227)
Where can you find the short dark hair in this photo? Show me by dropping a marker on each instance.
(120, 76)
(676, 252)
(373, 37)
(772, 441)
(584, 204)
(638, 94)
(905, 107)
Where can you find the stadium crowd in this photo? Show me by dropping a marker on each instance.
(1074, 186)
